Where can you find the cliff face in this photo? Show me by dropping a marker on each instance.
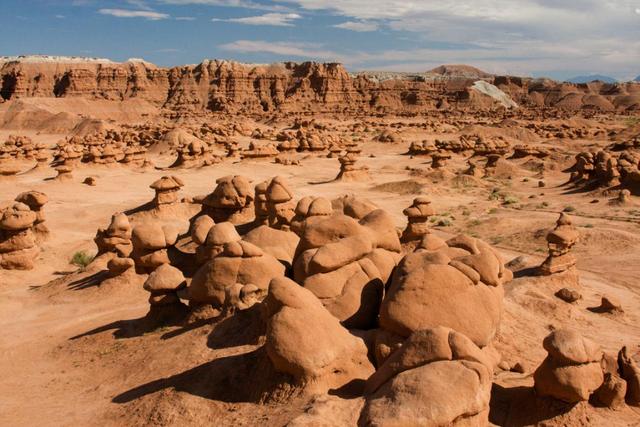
(289, 87)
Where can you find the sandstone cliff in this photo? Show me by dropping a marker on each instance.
(216, 85)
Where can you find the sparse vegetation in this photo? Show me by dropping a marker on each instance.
(632, 121)
(82, 259)
(444, 222)
(510, 200)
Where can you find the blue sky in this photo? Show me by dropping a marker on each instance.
(556, 38)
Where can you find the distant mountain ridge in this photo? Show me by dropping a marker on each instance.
(592, 78)
(637, 79)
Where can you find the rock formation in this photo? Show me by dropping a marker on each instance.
(115, 242)
(231, 200)
(348, 169)
(36, 201)
(560, 241)
(455, 283)
(572, 370)
(163, 284)
(306, 342)
(418, 216)
(280, 204)
(151, 244)
(18, 243)
(216, 85)
(346, 263)
(239, 263)
(167, 189)
(438, 377)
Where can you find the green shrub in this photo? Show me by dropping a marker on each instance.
(82, 259)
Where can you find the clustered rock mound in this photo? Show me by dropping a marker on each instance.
(345, 307)
(607, 169)
(107, 147)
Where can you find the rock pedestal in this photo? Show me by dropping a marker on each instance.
(418, 216)
(166, 189)
(560, 241)
(18, 246)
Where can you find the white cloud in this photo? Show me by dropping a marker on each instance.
(185, 18)
(520, 35)
(286, 49)
(593, 55)
(125, 13)
(273, 19)
(139, 4)
(360, 26)
(638, 11)
(244, 4)
(59, 16)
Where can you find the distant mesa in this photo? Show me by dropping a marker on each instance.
(592, 78)
(458, 70)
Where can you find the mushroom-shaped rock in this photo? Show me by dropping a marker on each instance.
(231, 200)
(560, 241)
(572, 369)
(18, 243)
(165, 278)
(278, 191)
(417, 215)
(118, 266)
(355, 207)
(305, 341)
(166, 189)
(17, 217)
(438, 377)
(308, 207)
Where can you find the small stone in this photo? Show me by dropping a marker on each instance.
(568, 295)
